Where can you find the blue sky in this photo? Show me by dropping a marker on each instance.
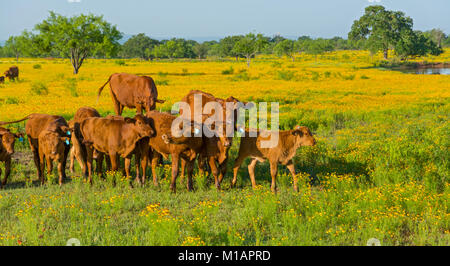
(218, 18)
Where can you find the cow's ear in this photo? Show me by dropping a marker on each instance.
(129, 120)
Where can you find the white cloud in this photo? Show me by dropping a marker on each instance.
(371, 1)
(74, 1)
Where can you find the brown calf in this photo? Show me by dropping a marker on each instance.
(78, 151)
(7, 139)
(113, 137)
(288, 143)
(52, 148)
(164, 143)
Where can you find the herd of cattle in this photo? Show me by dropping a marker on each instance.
(148, 137)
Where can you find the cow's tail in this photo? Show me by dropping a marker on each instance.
(17, 121)
(101, 88)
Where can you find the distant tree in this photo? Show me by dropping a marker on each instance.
(138, 45)
(381, 28)
(436, 35)
(175, 48)
(20, 45)
(271, 43)
(78, 37)
(226, 46)
(201, 49)
(318, 46)
(287, 48)
(416, 44)
(249, 46)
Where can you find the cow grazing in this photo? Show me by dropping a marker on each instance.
(288, 143)
(35, 125)
(7, 140)
(215, 149)
(78, 151)
(113, 137)
(179, 147)
(12, 73)
(133, 92)
(2, 79)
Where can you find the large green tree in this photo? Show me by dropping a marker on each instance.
(382, 28)
(249, 46)
(137, 46)
(79, 37)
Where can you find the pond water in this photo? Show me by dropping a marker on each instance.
(427, 71)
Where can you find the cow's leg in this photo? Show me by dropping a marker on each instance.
(4, 181)
(190, 171)
(155, 159)
(35, 149)
(49, 166)
(114, 164)
(127, 166)
(290, 166)
(251, 172)
(108, 162)
(222, 170)
(273, 173)
(214, 171)
(183, 167)
(72, 159)
(99, 163)
(121, 106)
(175, 165)
(143, 160)
(138, 109)
(41, 160)
(237, 164)
(80, 154)
(64, 161)
(89, 159)
(201, 165)
(61, 171)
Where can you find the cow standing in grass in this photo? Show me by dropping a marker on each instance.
(128, 90)
(7, 140)
(282, 152)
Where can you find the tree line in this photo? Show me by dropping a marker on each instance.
(84, 36)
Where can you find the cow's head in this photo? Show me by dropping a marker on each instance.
(53, 143)
(304, 136)
(8, 139)
(235, 108)
(141, 125)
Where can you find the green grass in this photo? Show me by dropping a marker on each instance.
(380, 175)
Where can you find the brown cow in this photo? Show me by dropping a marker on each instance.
(78, 151)
(288, 143)
(165, 143)
(52, 147)
(132, 91)
(215, 149)
(38, 123)
(2, 79)
(113, 137)
(12, 73)
(7, 139)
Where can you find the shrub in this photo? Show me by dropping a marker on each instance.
(37, 66)
(285, 74)
(120, 62)
(71, 85)
(228, 71)
(162, 82)
(364, 77)
(39, 88)
(12, 100)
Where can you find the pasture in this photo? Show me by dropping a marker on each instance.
(380, 168)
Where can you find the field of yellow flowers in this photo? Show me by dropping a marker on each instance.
(380, 168)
